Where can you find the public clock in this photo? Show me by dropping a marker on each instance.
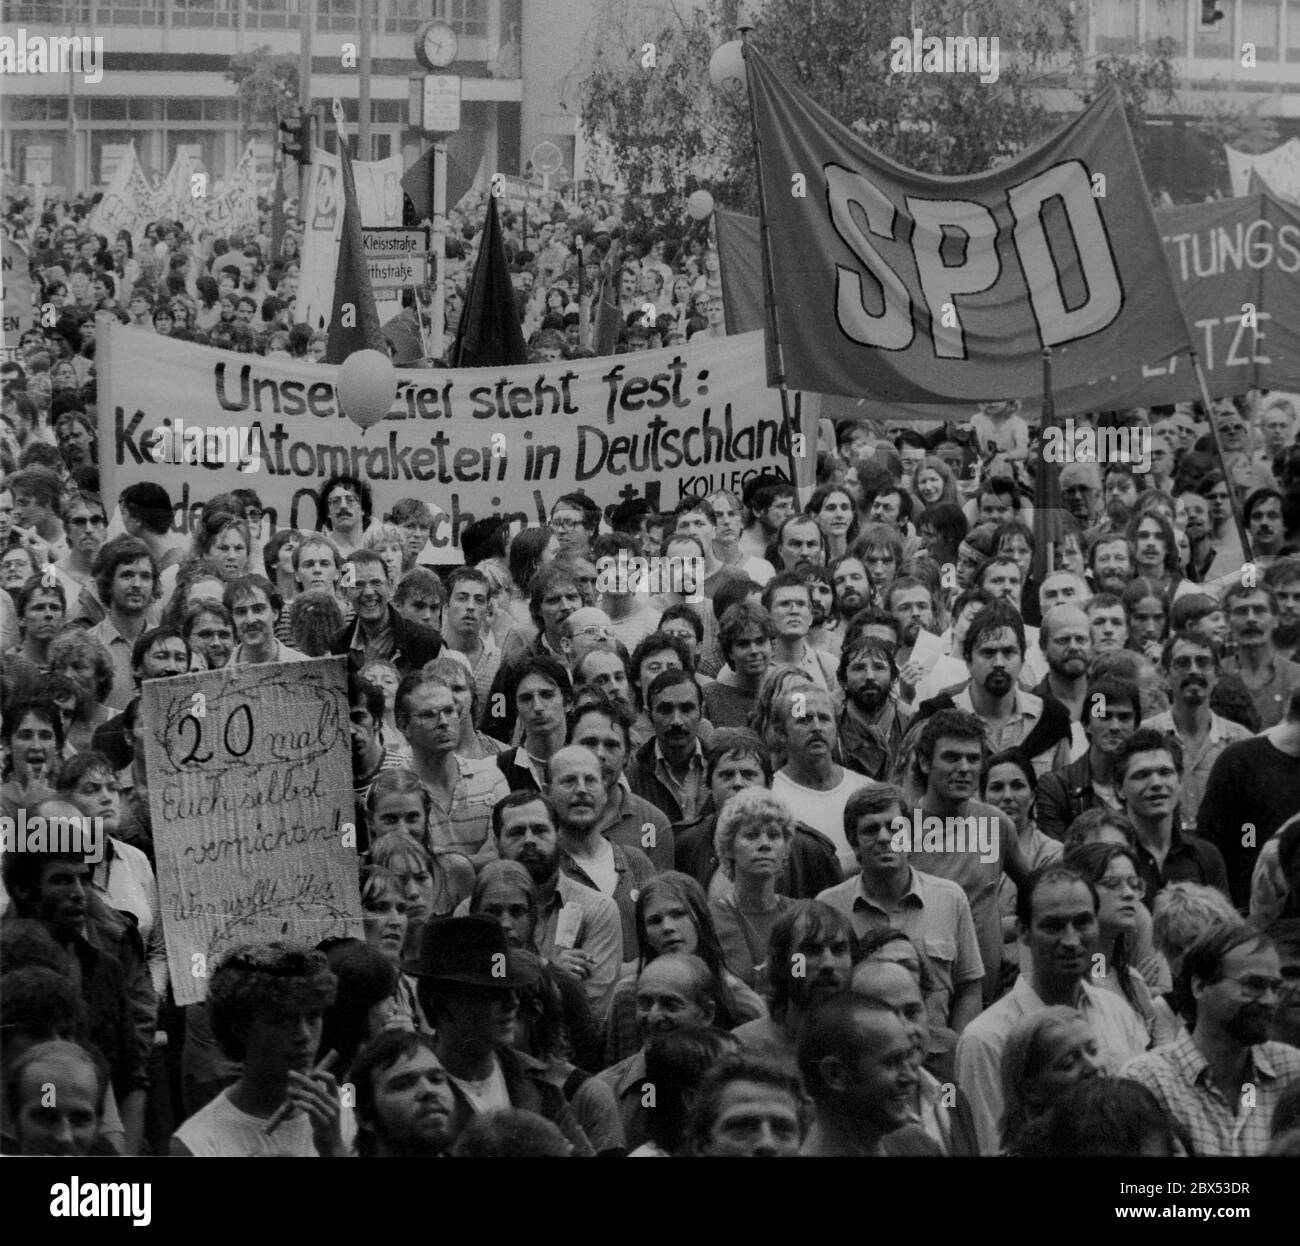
(436, 45)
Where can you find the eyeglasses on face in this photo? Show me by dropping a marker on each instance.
(1256, 986)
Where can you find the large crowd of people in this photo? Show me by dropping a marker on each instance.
(888, 832)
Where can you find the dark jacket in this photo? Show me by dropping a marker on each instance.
(499, 714)
(1063, 795)
(519, 778)
(413, 644)
(811, 867)
(529, 1092)
(649, 786)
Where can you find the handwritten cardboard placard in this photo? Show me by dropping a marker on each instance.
(250, 792)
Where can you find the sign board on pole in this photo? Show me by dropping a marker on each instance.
(441, 111)
(250, 789)
(396, 257)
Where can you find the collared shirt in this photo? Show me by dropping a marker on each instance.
(381, 648)
(1270, 699)
(935, 914)
(1179, 1076)
(600, 935)
(484, 668)
(466, 825)
(1119, 1031)
(1197, 766)
(1189, 860)
(1025, 716)
(119, 651)
(282, 654)
(689, 790)
(628, 819)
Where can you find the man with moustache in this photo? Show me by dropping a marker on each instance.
(469, 982)
(1109, 715)
(1283, 577)
(1110, 563)
(909, 600)
(810, 959)
(851, 585)
(255, 607)
(799, 543)
(577, 928)
(1199, 532)
(1191, 665)
(871, 724)
(1066, 641)
(1056, 919)
(404, 1101)
(1202, 1078)
(1269, 676)
(1081, 493)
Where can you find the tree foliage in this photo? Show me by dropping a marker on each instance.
(672, 130)
(266, 84)
(1241, 128)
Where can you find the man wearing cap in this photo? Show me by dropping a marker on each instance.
(469, 982)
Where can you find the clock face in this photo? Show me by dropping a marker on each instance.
(437, 45)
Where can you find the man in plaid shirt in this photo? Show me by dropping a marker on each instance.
(1222, 1081)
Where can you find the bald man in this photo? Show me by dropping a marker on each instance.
(577, 789)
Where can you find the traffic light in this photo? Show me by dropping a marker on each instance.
(295, 138)
(1211, 14)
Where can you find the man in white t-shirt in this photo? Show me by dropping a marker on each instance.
(810, 783)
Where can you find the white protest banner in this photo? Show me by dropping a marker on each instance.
(1280, 168)
(664, 424)
(396, 258)
(320, 240)
(233, 206)
(128, 202)
(250, 791)
(15, 294)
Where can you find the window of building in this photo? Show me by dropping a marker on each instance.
(1116, 25)
(212, 13)
(129, 12)
(271, 14)
(1216, 42)
(1261, 24)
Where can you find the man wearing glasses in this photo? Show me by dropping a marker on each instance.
(574, 520)
(1148, 770)
(1191, 667)
(86, 524)
(1222, 1082)
(1081, 493)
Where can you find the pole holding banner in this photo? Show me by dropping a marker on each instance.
(439, 310)
(1233, 500)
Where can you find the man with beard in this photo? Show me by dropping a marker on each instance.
(404, 1101)
(909, 600)
(770, 502)
(1283, 577)
(994, 650)
(255, 606)
(1066, 640)
(1234, 975)
(1109, 714)
(1197, 527)
(810, 959)
(577, 928)
(127, 578)
(378, 633)
(1148, 782)
(1191, 666)
(577, 791)
(1270, 678)
(788, 599)
(799, 543)
(1285, 1026)
(933, 912)
(746, 636)
(851, 585)
(871, 724)
(1056, 920)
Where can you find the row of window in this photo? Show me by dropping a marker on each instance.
(469, 17)
(153, 111)
(1123, 25)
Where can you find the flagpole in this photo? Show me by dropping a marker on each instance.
(1045, 504)
(1218, 450)
(769, 290)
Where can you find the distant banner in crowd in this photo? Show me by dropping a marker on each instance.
(664, 425)
(379, 197)
(186, 194)
(15, 295)
(250, 792)
(1280, 168)
(920, 288)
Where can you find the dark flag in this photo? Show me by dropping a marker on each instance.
(490, 335)
(354, 321)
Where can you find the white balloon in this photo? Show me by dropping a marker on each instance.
(727, 68)
(366, 386)
(700, 205)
